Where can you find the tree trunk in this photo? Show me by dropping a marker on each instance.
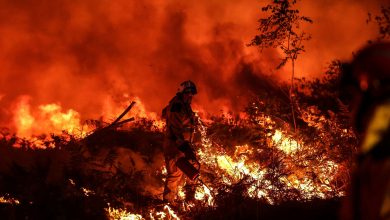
(292, 94)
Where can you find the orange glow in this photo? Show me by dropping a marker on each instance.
(203, 193)
(52, 119)
(285, 144)
(121, 214)
(9, 200)
(167, 48)
(46, 119)
(233, 168)
(23, 119)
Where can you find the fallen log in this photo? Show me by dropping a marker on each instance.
(113, 125)
(121, 115)
(122, 122)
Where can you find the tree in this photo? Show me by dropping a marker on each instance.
(383, 22)
(281, 29)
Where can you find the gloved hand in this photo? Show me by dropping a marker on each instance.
(190, 154)
(187, 150)
(185, 146)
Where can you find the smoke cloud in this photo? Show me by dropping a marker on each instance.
(79, 53)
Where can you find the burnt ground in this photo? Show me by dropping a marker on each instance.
(81, 207)
(252, 209)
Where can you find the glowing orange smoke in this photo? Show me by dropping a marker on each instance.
(30, 123)
(46, 119)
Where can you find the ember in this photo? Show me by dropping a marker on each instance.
(120, 214)
(9, 200)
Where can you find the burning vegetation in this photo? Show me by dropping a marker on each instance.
(250, 161)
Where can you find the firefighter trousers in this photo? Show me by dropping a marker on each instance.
(174, 175)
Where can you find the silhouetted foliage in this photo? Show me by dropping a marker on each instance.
(383, 22)
(281, 29)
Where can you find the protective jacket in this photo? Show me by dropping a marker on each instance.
(179, 126)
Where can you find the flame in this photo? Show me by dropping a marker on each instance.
(23, 118)
(233, 168)
(31, 123)
(9, 200)
(121, 214)
(60, 121)
(287, 145)
(181, 194)
(113, 108)
(87, 192)
(171, 213)
(167, 213)
(164, 170)
(203, 193)
(140, 112)
(46, 119)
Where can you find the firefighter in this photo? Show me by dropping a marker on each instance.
(180, 122)
(368, 80)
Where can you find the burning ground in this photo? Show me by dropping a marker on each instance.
(253, 164)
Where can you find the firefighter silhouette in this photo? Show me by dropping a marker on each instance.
(367, 78)
(180, 122)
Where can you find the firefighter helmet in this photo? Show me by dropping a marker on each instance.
(188, 86)
(368, 77)
(370, 69)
